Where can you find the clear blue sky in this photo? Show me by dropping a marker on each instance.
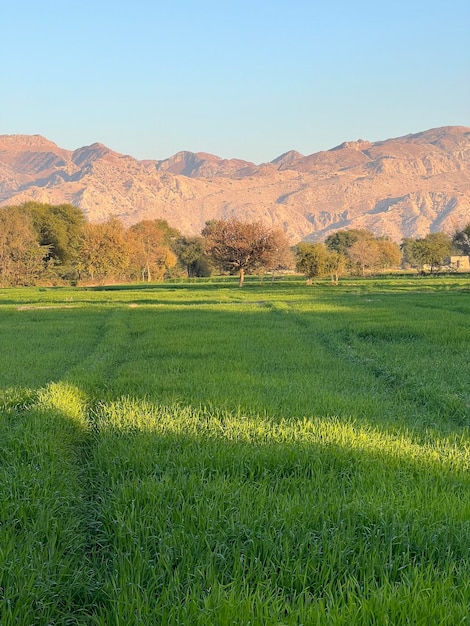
(248, 79)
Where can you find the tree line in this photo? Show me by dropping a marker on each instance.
(54, 244)
(359, 252)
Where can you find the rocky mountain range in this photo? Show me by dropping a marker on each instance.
(402, 187)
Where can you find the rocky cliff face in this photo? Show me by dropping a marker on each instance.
(402, 187)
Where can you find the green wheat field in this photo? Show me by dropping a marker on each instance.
(192, 453)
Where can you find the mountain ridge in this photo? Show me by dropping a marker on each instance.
(399, 187)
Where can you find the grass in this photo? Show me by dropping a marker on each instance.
(192, 453)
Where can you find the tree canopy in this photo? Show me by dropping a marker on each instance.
(430, 250)
(461, 240)
(363, 250)
(51, 244)
(21, 255)
(316, 260)
(342, 240)
(150, 252)
(243, 247)
(192, 256)
(60, 229)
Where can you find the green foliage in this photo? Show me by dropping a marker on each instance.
(48, 244)
(461, 240)
(342, 240)
(312, 259)
(337, 264)
(431, 250)
(316, 260)
(53, 243)
(407, 251)
(59, 228)
(192, 256)
(21, 256)
(170, 234)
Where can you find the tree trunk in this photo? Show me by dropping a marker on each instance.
(242, 277)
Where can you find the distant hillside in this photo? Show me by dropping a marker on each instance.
(403, 187)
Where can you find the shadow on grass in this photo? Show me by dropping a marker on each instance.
(163, 505)
(374, 363)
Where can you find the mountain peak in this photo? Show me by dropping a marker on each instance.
(360, 144)
(287, 157)
(88, 154)
(19, 143)
(203, 164)
(402, 187)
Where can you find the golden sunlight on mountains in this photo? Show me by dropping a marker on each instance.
(401, 187)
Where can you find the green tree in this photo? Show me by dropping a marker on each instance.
(243, 247)
(170, 234)
(342, 240)
(336, 265)
(312, 259)
(461, 240)
(21, 256)
(407, 252)
(60, 230)
(192, 256)
(431, 250)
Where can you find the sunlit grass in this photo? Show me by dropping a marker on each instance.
(196, 454)
(43, 577)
